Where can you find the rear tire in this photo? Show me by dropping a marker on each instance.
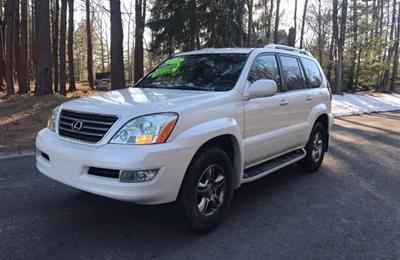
(315, 149)
(206, 191)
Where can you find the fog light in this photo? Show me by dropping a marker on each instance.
(138, 175)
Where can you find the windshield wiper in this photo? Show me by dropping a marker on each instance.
(187, 87)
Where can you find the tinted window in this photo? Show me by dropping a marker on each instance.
(312, 73)
(292, 72)
(265, 67)
(207, 72)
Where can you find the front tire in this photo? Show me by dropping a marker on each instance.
(207, 190)
(315, 149)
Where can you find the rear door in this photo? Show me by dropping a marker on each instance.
(265, 118)
(314, 81)
(299, 100)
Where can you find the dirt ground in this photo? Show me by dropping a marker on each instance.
(22, 116)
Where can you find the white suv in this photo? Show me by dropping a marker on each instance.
(193, 130)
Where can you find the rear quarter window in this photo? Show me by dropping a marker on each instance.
(313, 74)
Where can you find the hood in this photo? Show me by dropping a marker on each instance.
(138, 101)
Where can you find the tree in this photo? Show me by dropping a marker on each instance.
(303, 22)
(140, 17)
(250, 22)
(385, 85)
(117, 59)
(43, 47)
(9, 47)
(2, 45)
(340, 38)
(55, 40)
(396, 53)
(71, 68)
(269, 21)
(63, 33)
(276, 31)
(23, 56)
(16, 62)
(292, 30)
(89, 45)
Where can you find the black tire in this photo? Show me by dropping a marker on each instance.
(193, 193)
(314, 158)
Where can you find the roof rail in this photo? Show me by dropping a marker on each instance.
(288, 48)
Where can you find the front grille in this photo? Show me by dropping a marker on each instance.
(104, 172)
(84, 126)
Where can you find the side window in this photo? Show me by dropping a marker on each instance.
(292, 72)
(266, 67)
(312, 72)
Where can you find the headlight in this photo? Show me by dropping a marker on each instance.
(51, 123)
(150, 129)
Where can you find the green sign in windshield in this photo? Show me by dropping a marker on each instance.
(169, 67)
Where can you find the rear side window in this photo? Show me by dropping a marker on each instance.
(266, 67)
(312, 72)
(292, 72)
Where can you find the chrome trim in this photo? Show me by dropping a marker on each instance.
(74, 140)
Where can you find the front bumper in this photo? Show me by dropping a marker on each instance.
(69, 162)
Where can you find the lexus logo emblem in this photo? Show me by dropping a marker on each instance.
(77, 125)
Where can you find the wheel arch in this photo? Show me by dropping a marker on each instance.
(324, 120)
(231, 146)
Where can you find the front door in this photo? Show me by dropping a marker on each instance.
(299, 98)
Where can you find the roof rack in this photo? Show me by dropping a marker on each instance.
(288, 48)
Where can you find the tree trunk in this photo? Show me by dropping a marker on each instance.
(16, 41)
(23, 57)
(239, 21)
(9, 19)
(55, 36)
(117, 59)
(71, 68)
(276, 30)
(342, 32)
(335, 37)
(331, 53)
(250, 4)
(396, 54)
(63, 32)
(295, 23)
(43, 47)
(89, 45)
(2, 44)
(140, 12)
(320, 33)
(2, 52)
(354, 47)
(102, 55)
(193, 25)
(291, 37)
(386, 75)
(303, 22)
(33, 67)
(269, 21)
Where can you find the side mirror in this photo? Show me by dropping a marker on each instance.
(262, 88)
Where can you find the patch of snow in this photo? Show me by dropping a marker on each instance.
(364, 103)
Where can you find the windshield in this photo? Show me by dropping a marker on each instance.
(206, 72)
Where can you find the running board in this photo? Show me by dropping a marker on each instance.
(272, 165)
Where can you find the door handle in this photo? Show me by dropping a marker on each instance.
(309, 98)
(284, 102)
